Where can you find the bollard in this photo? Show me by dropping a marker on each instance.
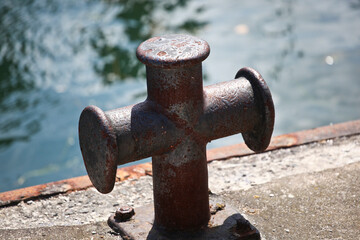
(173, 126)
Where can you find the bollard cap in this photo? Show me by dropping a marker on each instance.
(173, 51)
(98, 147)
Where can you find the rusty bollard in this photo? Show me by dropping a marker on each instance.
(173, 125)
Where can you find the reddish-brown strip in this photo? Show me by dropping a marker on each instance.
(289, 140)
(68, 185)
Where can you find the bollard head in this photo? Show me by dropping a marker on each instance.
(258, 138)
(173, 51)
(98, 147)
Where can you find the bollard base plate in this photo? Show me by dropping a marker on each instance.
(225, 223)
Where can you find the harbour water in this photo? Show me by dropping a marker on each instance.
(57, 57)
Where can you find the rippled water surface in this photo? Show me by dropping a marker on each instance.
(56, 57)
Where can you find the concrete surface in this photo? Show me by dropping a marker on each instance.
(321, 205)
(305, 192)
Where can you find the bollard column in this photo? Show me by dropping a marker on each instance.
(174, 82)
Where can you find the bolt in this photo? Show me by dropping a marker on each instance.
(124, 213)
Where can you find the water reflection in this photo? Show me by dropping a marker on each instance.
(17, 84)
(281, 25)
(355, 4)
(140, 20)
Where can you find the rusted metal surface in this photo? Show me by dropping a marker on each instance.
(258, 138)
(173, 51)
(173, 125)
(124, 214)
(289, 140)
(225, 224)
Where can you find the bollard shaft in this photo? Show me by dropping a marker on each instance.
(180, 175)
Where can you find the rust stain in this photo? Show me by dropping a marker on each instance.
(162, 53)
(286, 140)
(148, 51)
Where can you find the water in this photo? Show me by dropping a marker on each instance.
(56, 57)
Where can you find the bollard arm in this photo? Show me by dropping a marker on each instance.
(243, 105)
(98, 147)
(120, 136)
(258, 139)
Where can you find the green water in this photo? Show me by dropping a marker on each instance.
(56, 57)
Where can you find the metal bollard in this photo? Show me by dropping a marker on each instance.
(173, 125)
